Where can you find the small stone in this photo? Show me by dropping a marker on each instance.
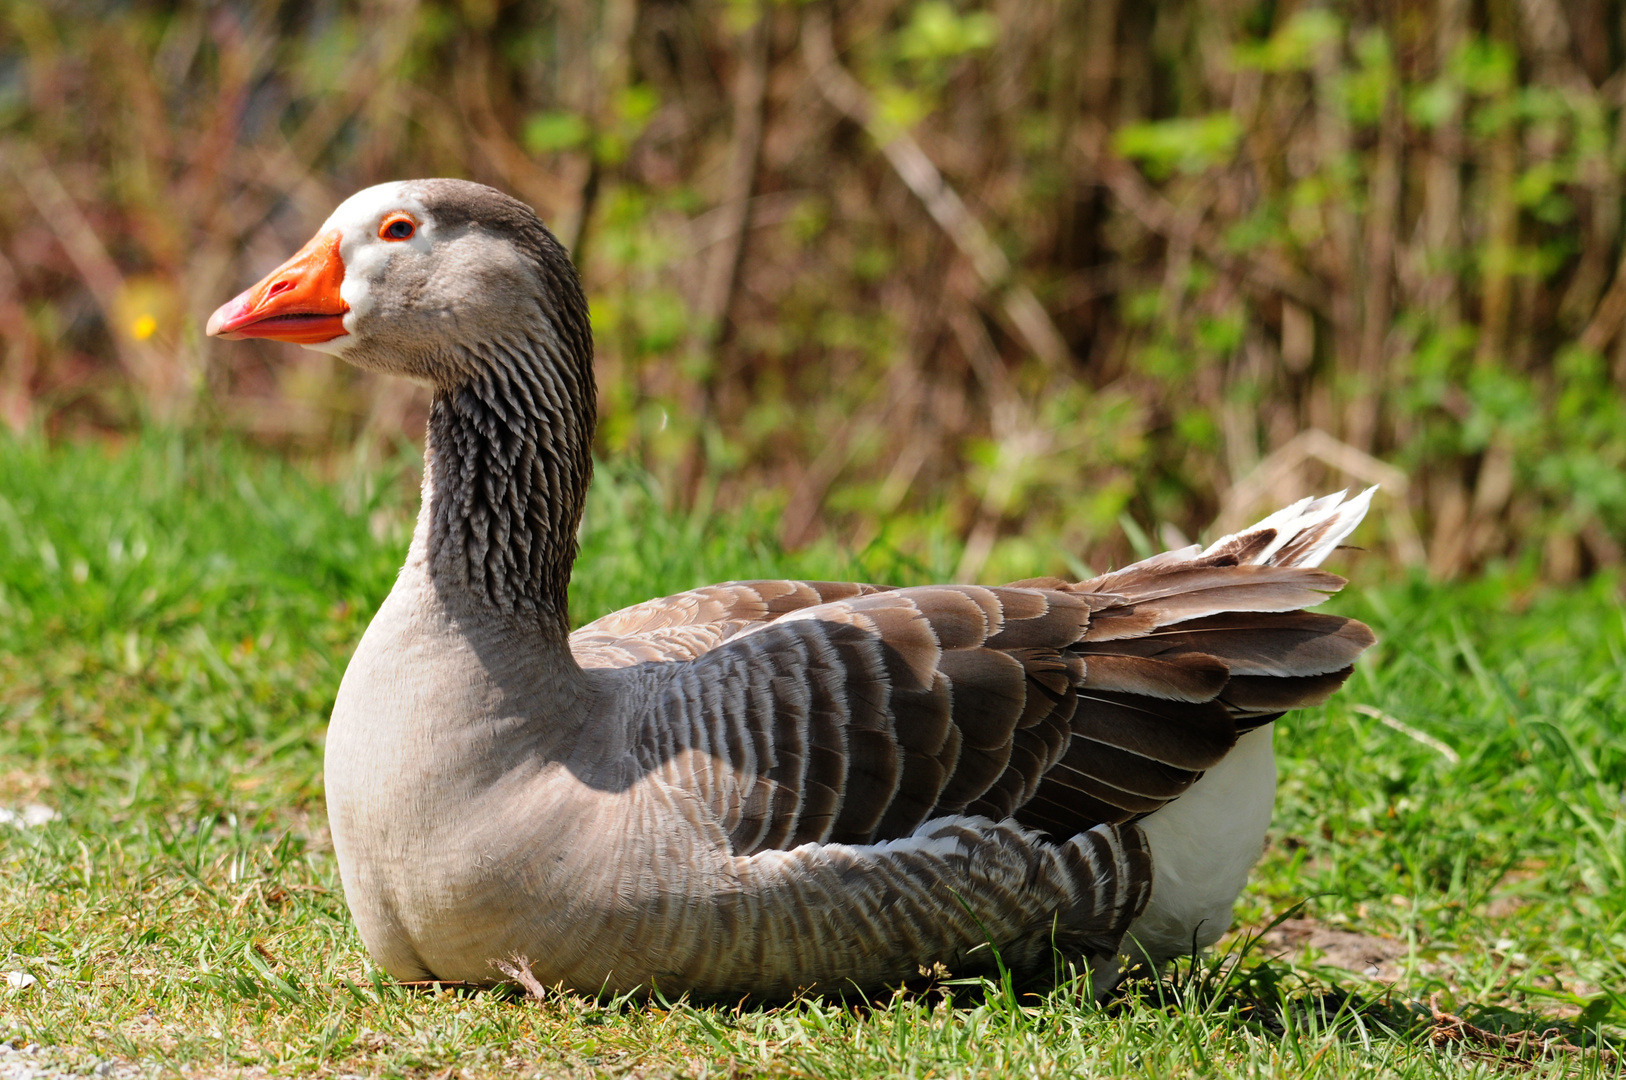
(20, 980)
(103, 1068)
(30, 816)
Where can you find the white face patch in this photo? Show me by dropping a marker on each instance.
(366, 255)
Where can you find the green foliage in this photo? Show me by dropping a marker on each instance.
(1189, 144)
(936, 31)
(635, 105)
(1293, 47)
(1366, 89)
(548, 132)
(1486, 68)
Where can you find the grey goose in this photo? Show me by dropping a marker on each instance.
(763, 786)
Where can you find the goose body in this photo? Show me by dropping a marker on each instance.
(758, 787)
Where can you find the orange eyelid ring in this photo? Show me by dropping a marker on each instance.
(299, 301)
(391, 221)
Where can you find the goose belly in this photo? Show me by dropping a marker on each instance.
(1203, 845)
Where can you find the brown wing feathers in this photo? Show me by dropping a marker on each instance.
(853, 714)
(687, 625)
(1273, 661)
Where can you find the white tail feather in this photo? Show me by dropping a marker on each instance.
(1331, 518)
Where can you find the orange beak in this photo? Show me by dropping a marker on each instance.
(299, 301)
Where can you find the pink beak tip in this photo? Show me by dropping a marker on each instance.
(227, 314)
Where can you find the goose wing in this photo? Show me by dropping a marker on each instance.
(687, 624)
(1064, 706)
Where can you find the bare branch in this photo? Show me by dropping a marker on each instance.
(1158, 215)
(916, 170)
(723, 265)
(1608, 316)
(91, 261)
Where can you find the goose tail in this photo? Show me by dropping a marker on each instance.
(1229, 621)
(1302, 534)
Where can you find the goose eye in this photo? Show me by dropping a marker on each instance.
(397, 228)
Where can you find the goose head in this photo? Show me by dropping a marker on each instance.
(435, 280)
(459, 286)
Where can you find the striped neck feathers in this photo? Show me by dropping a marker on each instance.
(509, 457)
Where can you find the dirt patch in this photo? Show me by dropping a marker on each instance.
(22, 786)
(1374, 957)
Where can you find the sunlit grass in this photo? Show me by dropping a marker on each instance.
(174, 619)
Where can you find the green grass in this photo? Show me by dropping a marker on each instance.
(174, 619)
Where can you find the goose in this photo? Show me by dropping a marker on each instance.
(762, 787)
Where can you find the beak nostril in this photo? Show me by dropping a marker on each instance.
(280, 287)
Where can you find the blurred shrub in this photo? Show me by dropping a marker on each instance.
(1283, 247)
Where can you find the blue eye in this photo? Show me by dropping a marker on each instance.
(400, 228)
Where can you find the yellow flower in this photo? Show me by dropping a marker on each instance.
(144, 327)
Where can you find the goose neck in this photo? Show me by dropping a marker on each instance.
(508, 458)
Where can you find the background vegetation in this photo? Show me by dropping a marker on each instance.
(1008, 271)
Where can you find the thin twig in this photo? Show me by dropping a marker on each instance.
(518, 968)
(1549, 1043)
(19, 360)
(1156, 214)
(916, 170)
(95, 267)
(1377, 307)
(487, 134)
(716, 225)
(1410, 732)
(1016, 433)
(797, 523)
(723, 265)
(1608, 315)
